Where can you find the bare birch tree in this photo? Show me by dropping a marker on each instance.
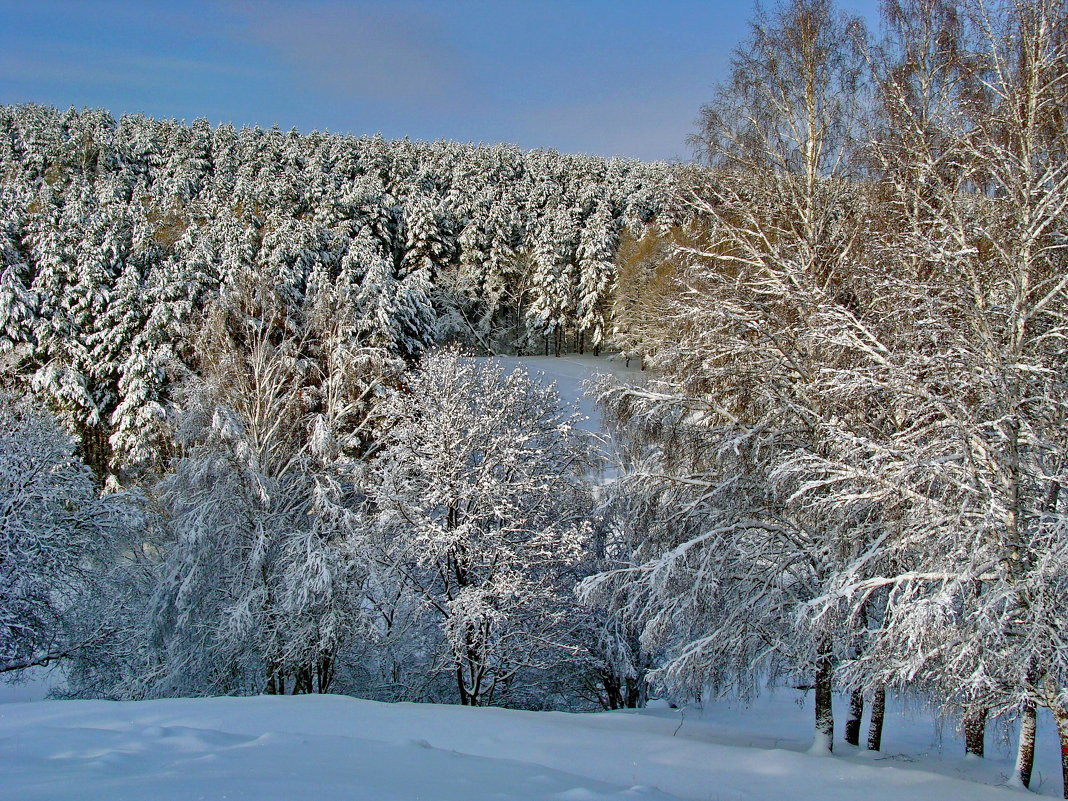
(732, 556)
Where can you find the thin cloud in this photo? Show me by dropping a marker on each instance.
(399, 53)
(94, 69)
(650, 126)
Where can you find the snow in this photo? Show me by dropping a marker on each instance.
(821, 745)
(332, 747)
(568, 373)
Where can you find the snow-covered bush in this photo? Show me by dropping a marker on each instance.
(56, 537)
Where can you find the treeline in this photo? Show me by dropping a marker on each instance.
(333, 522)
(115, 234)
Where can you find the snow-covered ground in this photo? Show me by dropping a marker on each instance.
(331, 747)
(568, 374)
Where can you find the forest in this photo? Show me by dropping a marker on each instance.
(249, 444)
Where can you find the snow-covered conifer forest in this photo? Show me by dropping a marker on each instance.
(250, 444)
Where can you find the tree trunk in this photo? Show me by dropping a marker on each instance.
(1062, 731)
(302, 681)
(325, 673)
(635, 693)
(275, 682)
(95, 447)
(1025, 753)
(612, 690)
(974, 732)
(823, 741)
(856, 713)
(875, 726)
(1060, 717)
(461, 686)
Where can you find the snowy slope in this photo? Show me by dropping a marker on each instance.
(568, 373)
(330, 747)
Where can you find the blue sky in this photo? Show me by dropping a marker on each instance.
(592, 76)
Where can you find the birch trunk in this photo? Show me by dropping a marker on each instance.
(1025, 753)
(1060, 716)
